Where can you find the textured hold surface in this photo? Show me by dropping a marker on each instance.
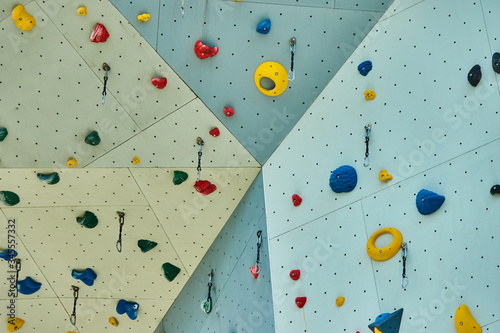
(428, 202)
(465, 322)
(82, 11)
(99, 34)
(387, 323)
(295, 274)
(88, 220)
(264, 27)
(159, 83)
(254, 271)
(8, 254)
(300, 302)
(49, 178)
(179, 177)
(340, 301)
(72, 162)
(113, 321)
(23, 20)
(28, 286)
(3, 133)
(296, 200)
(204, 187)
(93, 138)
(365, 67)
(215, 132)
(204, 51)
(228, 111)
(130, 308)
(14, 324)
(88, 276)
(474, 75)
(146, 245)
(369, 95)
(343, 179)
(383, 175)
(170, 271)
(9, 198)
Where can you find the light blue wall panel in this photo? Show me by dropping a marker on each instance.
(241, 303)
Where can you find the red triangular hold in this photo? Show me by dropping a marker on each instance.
(296, 200)
(300, 302)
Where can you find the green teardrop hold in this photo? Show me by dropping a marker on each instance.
(89, 220)
(179, 177)
(170, 271)
(9, 198)
(49, 178)
(93, 139)
(146, 245)
(3, 134)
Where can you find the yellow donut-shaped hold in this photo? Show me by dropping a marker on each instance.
(276, 73)
(387, 252)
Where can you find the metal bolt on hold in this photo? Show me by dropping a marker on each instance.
(105, 66)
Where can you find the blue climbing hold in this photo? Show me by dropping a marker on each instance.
(264, 27)
(49, 178)
(343, 179)
(388, 323)
(8, 254)
(428, 202)
(365, 67)
(87, 276)
(28, 286)
(130, 308)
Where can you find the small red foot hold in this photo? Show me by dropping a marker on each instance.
(254, 270)
(228, 111)
(215, 132)
(296, 200)
(300, 302)
(159, 83)
(204, 187)
(99, 34)
(203, 51)
(295, 274)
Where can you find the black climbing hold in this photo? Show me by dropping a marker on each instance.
(93, 139)
(179, 177)
(3, 134)
(89, 220)
(474, 75)
(146, 245)
(49, 178)
(495, 62)
(170, 271)
(9, 198)
(495, 189)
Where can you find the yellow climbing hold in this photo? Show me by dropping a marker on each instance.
(369, 95)
(464, 322)
(71, 163)
(113, 321)
(276, 76)
(339, 301)
(71, 332)
(381, 254)
(136, 160)
(23, 20)
(376, 330)
(383, 175)
(82, 11)
(13, 324)
(143, 17)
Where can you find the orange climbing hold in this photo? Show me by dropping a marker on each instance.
(71, 163)
(136, 160)
(339, 301)
(82, 11)
(14, 324)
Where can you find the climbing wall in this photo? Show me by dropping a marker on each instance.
(326, 34)
(241, 303)
(431, 130)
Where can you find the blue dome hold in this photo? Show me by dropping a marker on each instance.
(28, 286)
(130, 308)
(428, 202)
(365, 67)
(264, 27)
(343, 179)
(87, 276)
(8, 254)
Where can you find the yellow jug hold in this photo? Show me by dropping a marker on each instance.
(23, 20)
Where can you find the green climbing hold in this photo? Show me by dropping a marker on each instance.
(9, 198)
(179, 177)
(89, 220)
(3, 134)
(146, 245)
(93, 139)
(170, 271)
(49, 178)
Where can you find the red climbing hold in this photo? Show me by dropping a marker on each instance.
(228, 111)
(99, 34)
(300, 302)
(215, 132)
(159, 83)
(204, 187)
(296, 200)
(295, 274)
(254, 270)
(203, 51)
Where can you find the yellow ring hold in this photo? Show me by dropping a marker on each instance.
(465, 322)
(276, 73)
(383, 175)
(369, 95)
(82, 11)
(113, 321)
(71, 163)
(381, 254)
(339, 301)
(136, 160)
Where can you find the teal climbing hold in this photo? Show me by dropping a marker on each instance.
(49, 178)
(170, 271)
(93, 138)
(179, 177)
(146, 245)
(3, 134)
(9, 198)
(88, 220)
(387, 322)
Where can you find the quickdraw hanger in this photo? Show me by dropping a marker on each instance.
(72, 319)
(404, 253)
(121, 220)
(206, 304)
(368, 129)
(106, 68)
(255, 269)
(202, 186)
(291, 72)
